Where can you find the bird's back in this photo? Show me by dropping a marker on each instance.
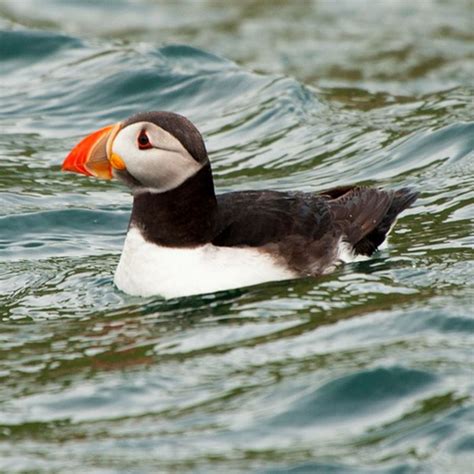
(309, 230)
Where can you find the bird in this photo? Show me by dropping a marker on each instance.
(183, 239)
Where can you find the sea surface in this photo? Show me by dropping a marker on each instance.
(367, 370)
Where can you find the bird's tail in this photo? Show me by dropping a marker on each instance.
(366, 215)
(402, 199)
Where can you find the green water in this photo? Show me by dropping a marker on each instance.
(367, 370)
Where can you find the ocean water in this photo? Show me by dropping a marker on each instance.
(367, 370)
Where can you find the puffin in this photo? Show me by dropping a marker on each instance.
(184, 239)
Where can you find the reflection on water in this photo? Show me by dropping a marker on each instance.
(368, 369)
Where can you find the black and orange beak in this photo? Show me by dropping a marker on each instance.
(93, 155)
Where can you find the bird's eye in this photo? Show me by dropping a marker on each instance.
(143, 141)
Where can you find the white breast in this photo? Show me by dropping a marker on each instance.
(147, 269)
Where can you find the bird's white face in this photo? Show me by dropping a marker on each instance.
(152, 156)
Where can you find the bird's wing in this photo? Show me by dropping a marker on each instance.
(357, 211)
(256, 218)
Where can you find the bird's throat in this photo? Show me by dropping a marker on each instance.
(181, 217)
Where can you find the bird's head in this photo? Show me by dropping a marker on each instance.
(150, 150)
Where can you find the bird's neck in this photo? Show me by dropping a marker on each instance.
(181, 217)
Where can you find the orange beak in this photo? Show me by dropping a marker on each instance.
(93, 156)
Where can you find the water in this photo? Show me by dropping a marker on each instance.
(367, 370)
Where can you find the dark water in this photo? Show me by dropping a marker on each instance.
(368, 370)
